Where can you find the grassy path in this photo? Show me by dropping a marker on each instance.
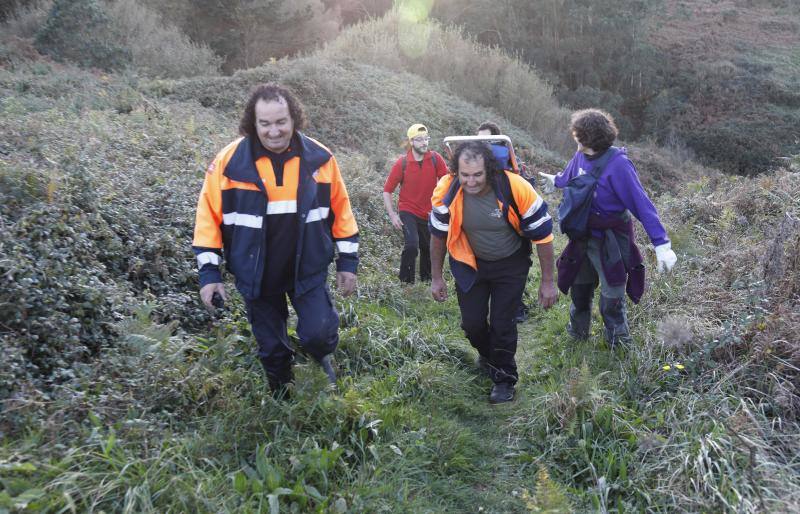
(177, 423)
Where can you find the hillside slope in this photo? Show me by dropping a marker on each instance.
(118, 392)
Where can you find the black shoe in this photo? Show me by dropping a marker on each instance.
(280, 391)
(522, 314)
(502, 393)
(326, 364)
(279, 382)
(575, 334)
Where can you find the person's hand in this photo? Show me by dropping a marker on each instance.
(548, 294)
(548, 182)
(665, 257)
(438, 289)
(396, 221)
(207, 293)
(346, 282)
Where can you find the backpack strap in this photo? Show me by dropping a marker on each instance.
(597, 169)
(503, 188)
(403, 166)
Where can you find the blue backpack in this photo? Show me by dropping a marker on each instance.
(573, 212)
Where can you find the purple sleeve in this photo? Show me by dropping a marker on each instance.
(568, 172)
(625, 182)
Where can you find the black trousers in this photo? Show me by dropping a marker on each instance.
(417, 240)
(488, 310)
(317, 328)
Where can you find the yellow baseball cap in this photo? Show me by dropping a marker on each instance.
(415, 130)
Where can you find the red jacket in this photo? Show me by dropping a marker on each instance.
(417, 186)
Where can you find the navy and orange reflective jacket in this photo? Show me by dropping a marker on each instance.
(233, 214)
(524, 210)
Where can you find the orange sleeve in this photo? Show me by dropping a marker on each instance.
(344, 223)
(207, 231)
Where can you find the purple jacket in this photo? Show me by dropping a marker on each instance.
(618, 189)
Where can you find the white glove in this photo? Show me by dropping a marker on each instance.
(549, 182)
(665, 257)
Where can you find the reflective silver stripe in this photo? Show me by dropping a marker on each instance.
(320, 213)
(535, 207)
(242, 220)
(207, 258)
(438, 225)
(282, 207)
(536, 224)
(346, 247)
(441, 209)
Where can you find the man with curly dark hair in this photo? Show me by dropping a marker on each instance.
(486, 219)
(274, 205)
(606, 253)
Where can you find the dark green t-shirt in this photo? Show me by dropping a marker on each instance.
(488, 233)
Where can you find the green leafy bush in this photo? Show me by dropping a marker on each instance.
(80, 31)
(157, 49)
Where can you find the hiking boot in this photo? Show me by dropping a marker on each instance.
(616, 322)
(522, 313)
(574, 334)
(280, 391)
(278, 381)
(326, 363)
(580, 311)
(501, 393)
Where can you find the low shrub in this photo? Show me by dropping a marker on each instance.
(81, 31)
(156, 49)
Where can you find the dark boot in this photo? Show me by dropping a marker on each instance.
(615, 320)
(522, 313)
(326, 363)
(580, 310)
(502, 393)
(278, 380)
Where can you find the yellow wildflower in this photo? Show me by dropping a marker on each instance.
(679, 365)
(666, 367)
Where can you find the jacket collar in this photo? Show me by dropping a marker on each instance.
(242, 168)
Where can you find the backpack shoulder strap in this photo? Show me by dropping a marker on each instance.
(597, 169)
(506, 195)
(405, 158)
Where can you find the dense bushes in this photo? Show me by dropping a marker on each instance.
(156, 49)
(650, 63)
(80, 31)
(113, 35)
(742, 250)
(91, 209)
